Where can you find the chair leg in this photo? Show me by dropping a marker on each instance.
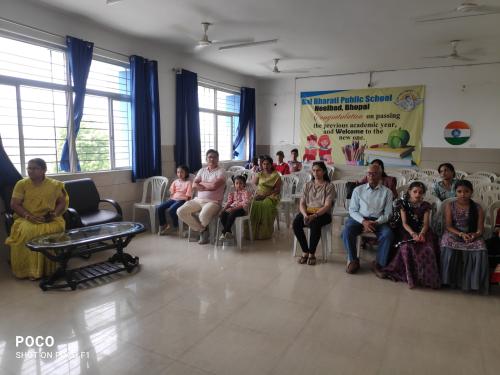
(239, 232)
(250, 233)
(358, 246)
(217, 234)
(152, 220)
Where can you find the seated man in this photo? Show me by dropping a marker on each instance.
(369, 210)
(209, 184)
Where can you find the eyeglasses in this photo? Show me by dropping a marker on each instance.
(372, 173)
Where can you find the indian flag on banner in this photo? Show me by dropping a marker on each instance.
(457, 133)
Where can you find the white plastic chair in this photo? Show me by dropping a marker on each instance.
(478, 180)
(429, 172)
(491, 196)
(212, 226)
(340, 208)
(236, 168)
(154, 188)
(400, 179)
(461, 175)
(491, 176)
(331, 171)
(492, 214)
(407, 172)
(439, 218)
(240, 221)
(288, 183)
(304, 178)
(326, 238)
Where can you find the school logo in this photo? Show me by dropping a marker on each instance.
(408, 100)
(457, 133)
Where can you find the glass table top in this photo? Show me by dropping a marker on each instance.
(81, 236)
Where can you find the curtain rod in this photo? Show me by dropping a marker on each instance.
(56, 35)
(398, 70)
(179, 71)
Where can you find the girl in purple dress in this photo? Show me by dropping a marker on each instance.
(464, 258)
(417, 259)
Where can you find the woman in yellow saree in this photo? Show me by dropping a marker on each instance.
(266, 200)
(38, 203)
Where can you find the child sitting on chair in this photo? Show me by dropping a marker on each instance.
(236, 205)
(180, 193)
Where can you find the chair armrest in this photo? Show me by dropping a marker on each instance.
(72, 219)
(114, 204)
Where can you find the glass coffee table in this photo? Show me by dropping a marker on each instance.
(82, 242)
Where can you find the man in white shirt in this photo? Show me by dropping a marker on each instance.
(369, 210)
(209, 184)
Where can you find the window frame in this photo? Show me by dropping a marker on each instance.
(18, 82)
(215, 113)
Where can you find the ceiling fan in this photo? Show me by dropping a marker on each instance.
(233, 43)
(111, 2)
(454, 55)
(278, 70)
(465, 9)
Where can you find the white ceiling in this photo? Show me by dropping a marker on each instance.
(322, 36)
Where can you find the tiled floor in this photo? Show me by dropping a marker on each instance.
(195, 309)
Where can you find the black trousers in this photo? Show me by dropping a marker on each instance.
(227, 218)
(315, 228)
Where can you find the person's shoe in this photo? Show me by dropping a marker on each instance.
(222, 237)
(229, 236)
(204, 237)
(353, 267)
(164, 231)
(377, 270)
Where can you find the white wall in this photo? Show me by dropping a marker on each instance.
(471, 94)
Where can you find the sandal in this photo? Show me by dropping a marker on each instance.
(303, 259)
(311, 261)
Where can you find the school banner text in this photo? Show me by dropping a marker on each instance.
(357, 126)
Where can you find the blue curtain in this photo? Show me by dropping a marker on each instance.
(187, 121)
(8, 177)
(146, 142)
(247, 120)
(79, 58)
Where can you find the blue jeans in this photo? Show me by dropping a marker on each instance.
(171, 207)
(384, 236)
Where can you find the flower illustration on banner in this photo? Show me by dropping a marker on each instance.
(408, 100)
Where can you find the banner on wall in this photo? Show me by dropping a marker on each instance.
(355, 127)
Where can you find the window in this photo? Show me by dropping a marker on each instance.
(219, 116)
(35, 102)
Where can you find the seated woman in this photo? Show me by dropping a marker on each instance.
(416, 262)
(387, 181)
(315, 206)
(445, 188)
(464, 258)
(266, 200)
(38, 203)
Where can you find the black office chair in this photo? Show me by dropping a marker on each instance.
(84, 203)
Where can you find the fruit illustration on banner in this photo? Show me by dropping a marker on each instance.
(457, 133)
(398, 138)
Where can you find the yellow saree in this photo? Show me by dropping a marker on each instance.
(38, 200)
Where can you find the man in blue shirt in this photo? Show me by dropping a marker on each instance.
(369, 210)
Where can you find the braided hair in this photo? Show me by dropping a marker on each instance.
(473, 212)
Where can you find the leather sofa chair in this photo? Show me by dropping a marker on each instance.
(84, 202)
